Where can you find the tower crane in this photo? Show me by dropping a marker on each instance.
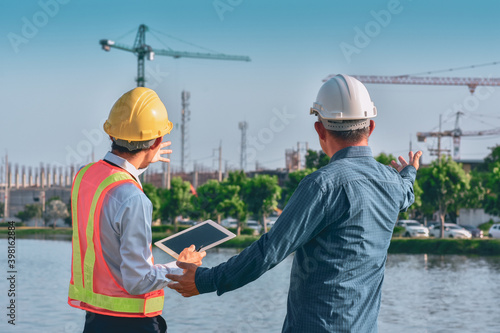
(144, 51)
(456, 134)
(471, 82)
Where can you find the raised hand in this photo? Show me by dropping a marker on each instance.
(413, 160)
(161, 151)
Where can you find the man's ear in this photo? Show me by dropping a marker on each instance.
(157, 143)
(321, 130)
(372, 127)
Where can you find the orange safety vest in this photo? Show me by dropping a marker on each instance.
(92, 286)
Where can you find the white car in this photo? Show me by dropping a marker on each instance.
(494, 231)
(413, 228)
(451, 230)
(229, 222)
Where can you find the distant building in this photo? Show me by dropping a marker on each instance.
(470, 165)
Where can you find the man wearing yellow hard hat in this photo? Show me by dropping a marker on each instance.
(113, 275)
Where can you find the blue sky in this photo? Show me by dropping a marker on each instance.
(58, 85)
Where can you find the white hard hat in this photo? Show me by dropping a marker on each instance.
(343, 98)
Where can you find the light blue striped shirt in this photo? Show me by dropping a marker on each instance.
(126, 236)
(339, 222)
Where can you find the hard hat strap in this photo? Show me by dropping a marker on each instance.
(134, 145)
(345, 125)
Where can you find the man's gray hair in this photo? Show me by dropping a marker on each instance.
(134, 145)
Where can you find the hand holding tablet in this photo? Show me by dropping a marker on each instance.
(191, 255)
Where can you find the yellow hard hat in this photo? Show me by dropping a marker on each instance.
(139, 115)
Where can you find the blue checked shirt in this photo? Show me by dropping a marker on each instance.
(339, 222)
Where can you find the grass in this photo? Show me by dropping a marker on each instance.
(58, 233)
(483, 247)
(27, 231)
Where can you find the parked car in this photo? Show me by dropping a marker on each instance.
(254, 225)
(432, 224)
(413, 228)
(229, 222)
(475, 231)
(451, 230)
(494, 231)
(186, 222)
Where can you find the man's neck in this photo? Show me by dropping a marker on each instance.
(334, 146)
(136, 159)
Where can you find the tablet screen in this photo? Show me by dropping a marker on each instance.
(204, 236)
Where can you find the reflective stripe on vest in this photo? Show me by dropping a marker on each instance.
(81, 288)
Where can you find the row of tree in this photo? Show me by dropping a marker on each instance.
(442, 187)
(237, 196)
(55, 209)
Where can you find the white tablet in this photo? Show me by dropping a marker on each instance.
(204, 236)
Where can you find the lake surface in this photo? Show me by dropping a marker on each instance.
(421, 294)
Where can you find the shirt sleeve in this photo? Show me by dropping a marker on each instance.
(302, 219)
(139, 275)
(408, 175)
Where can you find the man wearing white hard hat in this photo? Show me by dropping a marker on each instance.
(113, 274)
(339, 222)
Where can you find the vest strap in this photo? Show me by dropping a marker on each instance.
(145, 306)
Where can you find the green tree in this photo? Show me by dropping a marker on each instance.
(56, 197)
(490, 160)
(176, 201)
(209, 197)
(416, 208)
(56, 209)
(219, 199)
(30, 211)
(492, 191)
(444, 184)
(261, 194)
(237, 178)
(153, 193)
(385, 158)
(232, 205)
(472, 198)
(294, 178)
(316, 159)
(235, 206)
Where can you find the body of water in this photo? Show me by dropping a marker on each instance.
(421, 294)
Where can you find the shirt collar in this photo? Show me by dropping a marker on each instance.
(352, 151)
(125, 165)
